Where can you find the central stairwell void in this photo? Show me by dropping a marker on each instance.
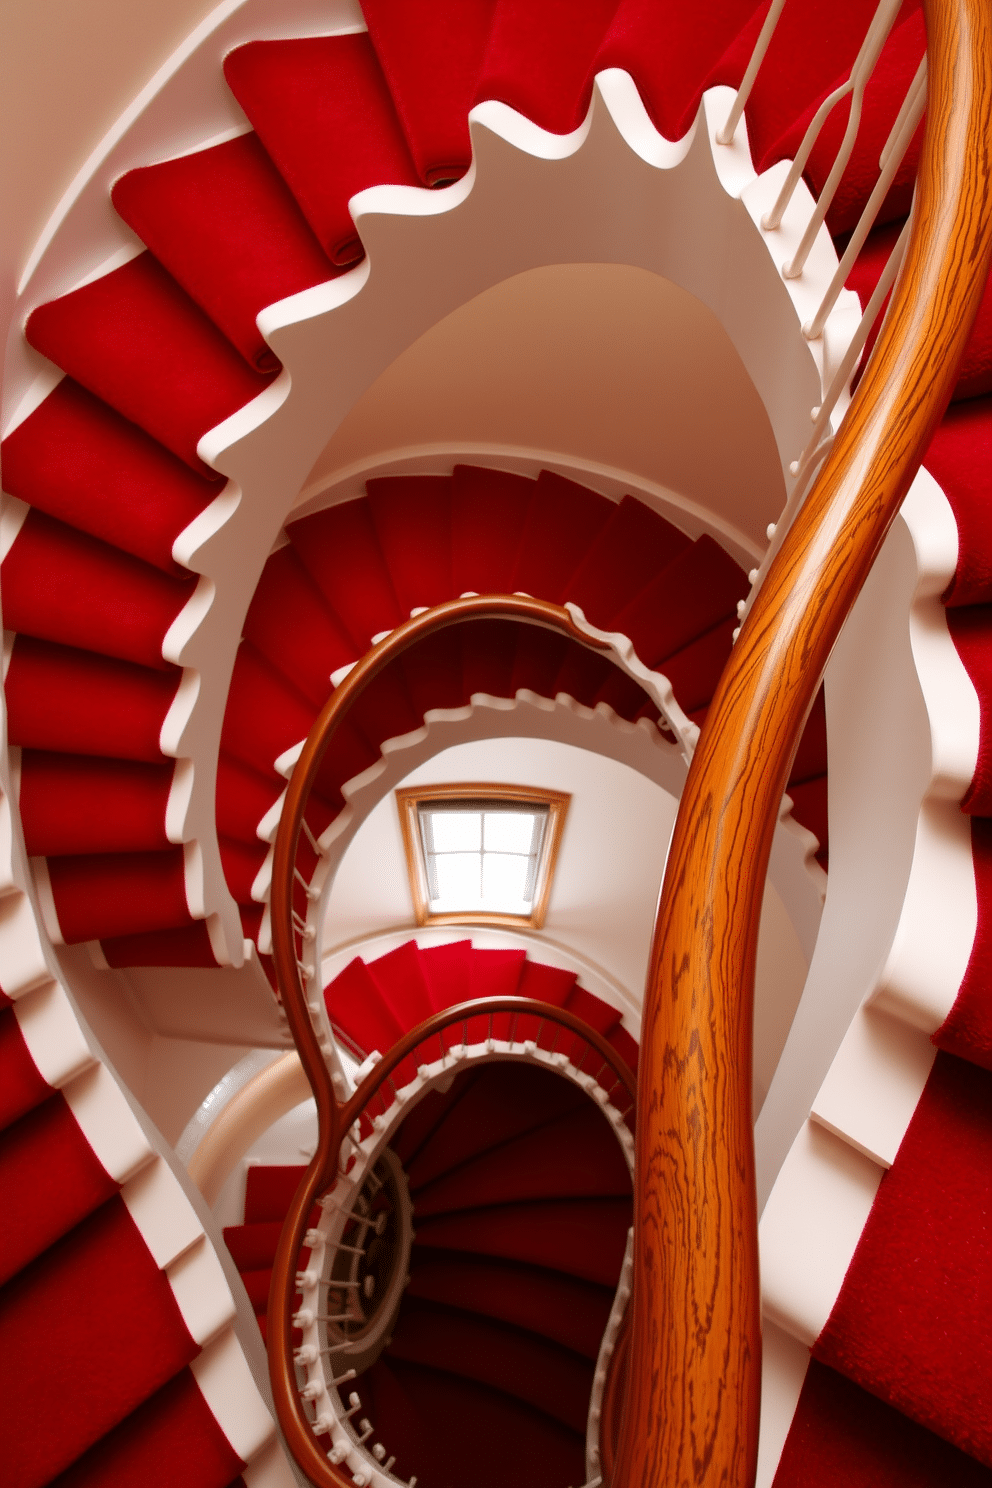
(466, 1270)
(292, 206)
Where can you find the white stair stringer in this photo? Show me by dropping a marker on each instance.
(335, 339)
(820, 1200)
(335, 1418)
(68, 1059)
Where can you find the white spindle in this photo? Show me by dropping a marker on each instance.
(856, 83)
(898, 143)
(726, 134)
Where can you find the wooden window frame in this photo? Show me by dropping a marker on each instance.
(410, 799)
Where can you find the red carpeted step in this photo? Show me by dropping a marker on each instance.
(842, 1437)
(385, 710)
(51, 1180)
(551, 984)
(101, 895)
(253, 1246)
(354, 1003)
(265, 714)
(495, 973)
(59, 698)
(564, 521)
(269, 1191)
(516, 1436)
(570, 1312)
(672, 58)
(913, 1321)
(447, 972)
(171, 1441)
(967, 1030)
(970, 627)
(423, 1120)
(694, 593)
(536, 666)
(626, 1046)
(539, 57)
(412, 519)
(339, 548)
(576, 1156)
(543, 1375)
(189, 945)
(581, 1237)
(321, 108)
(489, 649)
(695, 670)
(258, 1284)
(635, 545)
(495, 1105)
(960, 458)
(61, 585)
(348, 754)
(226, 227)
(80, 462)
(402, 986)
(489, 510)
(120, 1338)
(432, 671)
(72, 803)
(21, 1086)
(241, 862)
(289, 623)
(243, 797)
(431, 55)
(101, 335)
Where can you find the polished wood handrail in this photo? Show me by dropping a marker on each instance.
(333, 1120)
(691, 1413)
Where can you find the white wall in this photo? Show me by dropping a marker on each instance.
(603, 363)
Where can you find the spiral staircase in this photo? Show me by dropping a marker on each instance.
(173, 622)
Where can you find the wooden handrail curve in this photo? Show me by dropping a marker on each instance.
(691, 1412)
(333, 1120)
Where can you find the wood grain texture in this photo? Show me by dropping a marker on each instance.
(691, 1414)
(331, 1119)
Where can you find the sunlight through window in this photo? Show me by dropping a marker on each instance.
(481, 852)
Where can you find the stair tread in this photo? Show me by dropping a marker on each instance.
(580, 1237)
(574, 1157)
(100, 1270)
(496, 1354)
(915, 1303)
(226, 227)
(100, 335)
(52, 1180)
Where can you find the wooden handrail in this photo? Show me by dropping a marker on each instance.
(333, 1120)
(691, 1413)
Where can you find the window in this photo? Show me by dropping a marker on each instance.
(481, 853)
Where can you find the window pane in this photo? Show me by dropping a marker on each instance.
(456, 831)
(458, 885)
(510, 831)
(504, 882)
